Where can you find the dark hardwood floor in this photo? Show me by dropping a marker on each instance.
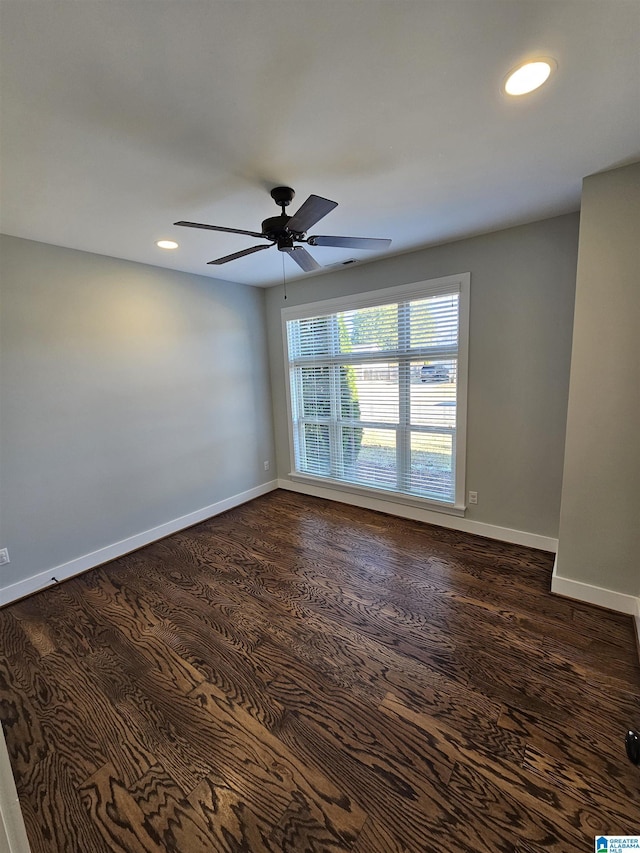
(300, 675)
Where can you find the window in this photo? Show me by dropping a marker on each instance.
(377, 390)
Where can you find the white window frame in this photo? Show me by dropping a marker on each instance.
(461, 284)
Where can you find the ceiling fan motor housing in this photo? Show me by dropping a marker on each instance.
(275, 228)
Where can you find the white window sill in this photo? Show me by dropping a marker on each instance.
(379, 494)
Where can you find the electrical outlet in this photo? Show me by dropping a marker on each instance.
(4, 556)
(473, 497)
(267, 464)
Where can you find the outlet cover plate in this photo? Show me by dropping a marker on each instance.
(4, 556)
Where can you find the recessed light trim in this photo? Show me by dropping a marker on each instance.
(528, 76)
(166, 244)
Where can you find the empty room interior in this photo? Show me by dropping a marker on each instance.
(319, 426)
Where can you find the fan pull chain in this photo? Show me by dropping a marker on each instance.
(284, 278)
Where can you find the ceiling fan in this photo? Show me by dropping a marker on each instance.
(283, 231)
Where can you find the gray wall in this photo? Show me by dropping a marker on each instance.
(129, 396)
(600, 516)
(522, 291)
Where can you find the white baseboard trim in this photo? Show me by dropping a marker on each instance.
(125, 546)
(491, 531)
(586, 592)
(13, 835)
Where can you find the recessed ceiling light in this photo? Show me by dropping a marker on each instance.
(166, 244)
(529, 76)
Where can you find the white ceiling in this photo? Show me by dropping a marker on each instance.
(121, 116)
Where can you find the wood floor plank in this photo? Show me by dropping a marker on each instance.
(125, 623)
(375, 838)
(27, 743)
(481, 729)
(178, 824)
(40, 717)
(572, 820)
(510, 817)
(107, 728)
(121, 823)
(345, 658)
(233, 826)
(411, 815)
(392, 754)
(300, 675)
(237, 676)
(579, 747)
(304, 826)
(598, 794)
(169, 598)
(52, 627)
(138, 733)
(256, 749)
(405, 574)
(388, 535)
(55, 816)
(603, 626)
(529, 682)
(606, 667)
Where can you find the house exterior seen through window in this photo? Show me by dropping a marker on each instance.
(377, 390)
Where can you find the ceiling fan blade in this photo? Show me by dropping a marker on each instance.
(241, 254)
(350, 242)
(220, 228)
(303, 259)
(312, 211)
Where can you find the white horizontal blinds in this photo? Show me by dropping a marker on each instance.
(371, 390)
(434, 330)
(314, 404)
(373, 393)
(432, 429)
(312, 336)
(370, 330)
